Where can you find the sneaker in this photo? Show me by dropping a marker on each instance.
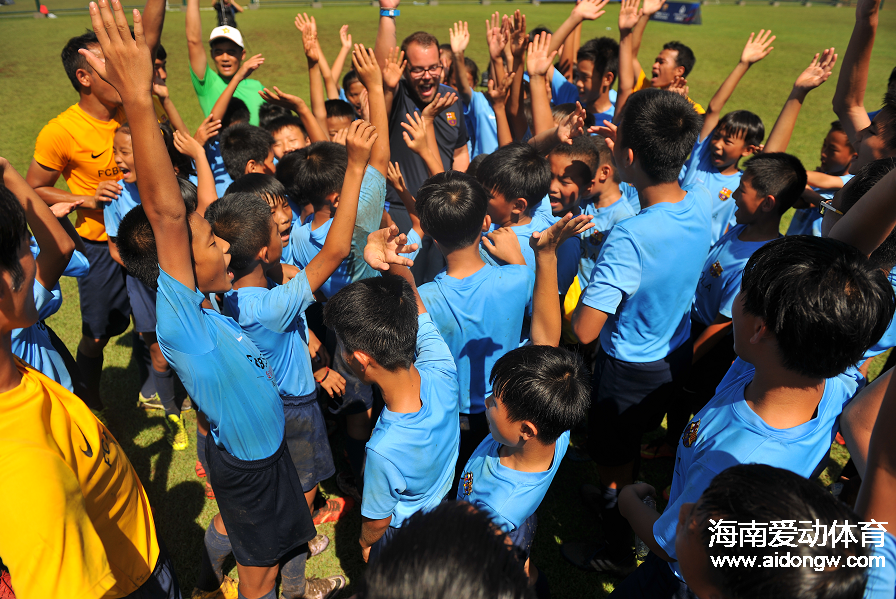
(593, 557)
(323, 588)
(228, 590)
(839, 439)
(318, 545)
(658, 448)
(187, 405)
(332, 510)
(346, 484)
(209, 492)
(149, 403)
(179, 439)
(200, 471)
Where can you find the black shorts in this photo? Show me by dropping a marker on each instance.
(524, 535)
(306, 439)
(629, 399)
(143, 305)
(162, 583)
(262, 504)
(105, 309)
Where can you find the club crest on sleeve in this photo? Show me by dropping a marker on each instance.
(468, 483)
(724, 194)
(716, 269)
(452, 118)
(690, 433)
(596, 238)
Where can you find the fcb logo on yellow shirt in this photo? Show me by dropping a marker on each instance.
(724, 194)
(452, 118)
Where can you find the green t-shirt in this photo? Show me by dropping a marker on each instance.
(212, 85)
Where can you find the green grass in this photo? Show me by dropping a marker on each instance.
(34, 90)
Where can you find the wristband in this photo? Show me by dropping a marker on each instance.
(325, 376)
(389, 12)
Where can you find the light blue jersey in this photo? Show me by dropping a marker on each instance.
(889, 338)
(274, 320)
(113, 212)
(807, 221)
(216, 162)
(593, 239)
(411, 457)
(645, 277)
(727, 432)
(882, 580)
(33, 343)
(480, 317)
(77, 266)
(722, 272)
(509, 496)
(481, 125)
(226, 375)
(567, 254)
(699, 169)
(307, 242)
(630, 193)
(562, 91)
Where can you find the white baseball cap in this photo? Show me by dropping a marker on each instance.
(231, 33)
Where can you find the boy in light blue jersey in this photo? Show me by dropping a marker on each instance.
(724, 141)
(540, 393)
(638, 302)
(597, 68)
(389, 340)
(268, 188)
(479, 116)
(224, 372)
(807, 309)
(769, 187)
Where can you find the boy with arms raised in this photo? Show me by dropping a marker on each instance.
(255, 481)
(639, 305)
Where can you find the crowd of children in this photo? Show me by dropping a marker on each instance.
(453, 281)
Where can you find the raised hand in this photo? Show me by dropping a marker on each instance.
(519, 37)
(758, 48)
(359, 139)
(652, 6)
(497, 93)
(495, 36)
(554, 236)
(341, 136)
(126, 64)
(679, 86)
(187, 146)
(629, 13)
(308, 26)
(538, 61)
(394, 68)
(345, 37)
(415, 133)
(607, 130)
(64, 208)
(364, 99)
(459, 36)
(161, 90)
(588, 10)
(249, 66)
(282, 99)
(368, 69)
(384, 246)
(439, 104)
(572, 125)
(504, 245)
(395, 178)
(817, 72)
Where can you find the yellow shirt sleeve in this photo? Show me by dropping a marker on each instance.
(47, 539)
(53, 147)
(641, 83)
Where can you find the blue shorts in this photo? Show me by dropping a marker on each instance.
(306, 439)
(143, 305)
(653, 578)
(105, 309)
(162, 583)
(524, 535)
(381, 544)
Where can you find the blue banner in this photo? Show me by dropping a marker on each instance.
(683, 13)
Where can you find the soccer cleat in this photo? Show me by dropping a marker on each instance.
(593, 556)
(149, 403)
(323, 588)
(187, 405)
(209, 492)
(333, 510)
(346, 484)
(229, 589)
(200, 471)
(179, 439)
(318, 545)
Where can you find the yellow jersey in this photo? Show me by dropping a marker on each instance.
(80, 147)
(76, 519)
(643, 83)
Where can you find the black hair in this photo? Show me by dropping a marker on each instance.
(661, 129)
(743, 123)
(189, 193)
(268, 112)
(884, 256)
(886, 119)
(160, 53)
(548, 386)
(516, 170)
(312, 173)
(452, 206)
(452, 550)
(604, 53)
(561, 111)
(183, 164)
(237, 112)
(777, 174)
(685, 56)
(536, 31)
(244, 221)
(750, 493)
(377, 316)
(473, 167)
(838, 126)
(72, 59)
(282, 122)
(339, 109)
(349, 78)
(606, 156)
(242, 143)
(821, 298)
(582, 151)
(265, 186)
(472, 69)
(13, 231)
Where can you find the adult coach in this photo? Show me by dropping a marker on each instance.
(417, 88)
(77, 144)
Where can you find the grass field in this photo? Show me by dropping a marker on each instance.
(34, 89)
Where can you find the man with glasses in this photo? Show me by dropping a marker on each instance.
(418, 87)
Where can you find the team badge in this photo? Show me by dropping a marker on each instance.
(452, 118)
(690, 434)
(596, 238)
(724, 194)
(468, 483)
(225, 30)
(716, 269)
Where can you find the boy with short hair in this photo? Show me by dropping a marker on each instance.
(638, 305)
(807, 309)
(339, 116)
(247, 149)
(224, 372)
(597, 67)
(288, 133)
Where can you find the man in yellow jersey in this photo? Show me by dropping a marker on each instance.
(77, 519)
(77, 144)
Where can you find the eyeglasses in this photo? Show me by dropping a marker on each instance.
(418, 71)
(827, 205)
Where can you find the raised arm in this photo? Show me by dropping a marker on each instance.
(629, 13)
(128, 68)
(497, 93)
(370, 75)
(346, 39)
(871, 220)
(817, 73)
(396, 180)
(382, 253)
(429, 113)
(754, 51)
(650, 7)
(385, 33)
(195, 43)
(329, 83)
(539, 62)
(153, 21)
(586, 10)
(160, 89)
(246, 69)
(308, 27)
(206, 193)
(416, 136)
(312, 126)
(519, 39)
(459, 35)
(849, 98)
